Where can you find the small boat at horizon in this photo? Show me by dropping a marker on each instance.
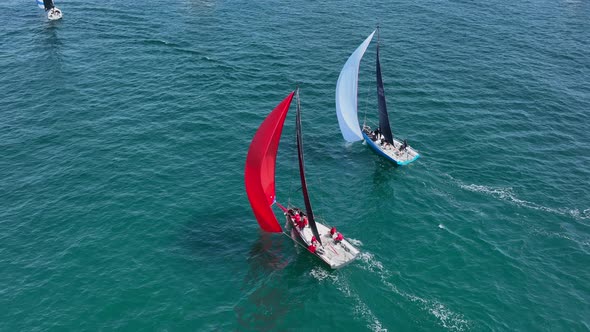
(259, 176)
(53, 13)
(381, 139)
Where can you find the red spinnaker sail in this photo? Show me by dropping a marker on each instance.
(259, 174)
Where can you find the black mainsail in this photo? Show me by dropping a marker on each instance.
(308, 210)
(48, 4)
(383, 116)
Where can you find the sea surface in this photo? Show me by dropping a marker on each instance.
(124, 129)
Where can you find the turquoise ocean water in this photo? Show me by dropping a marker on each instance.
(124, 129)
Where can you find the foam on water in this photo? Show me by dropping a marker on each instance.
(361, 308)
(560, 235)
(355, 242)
(445, 317)
(507, 194)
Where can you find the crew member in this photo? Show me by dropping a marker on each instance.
(311, 248)
(297, 218)
(404, 145)
(304, 222)
(332, 231)
(313, 240)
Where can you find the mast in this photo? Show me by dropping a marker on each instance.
(308, 210)
(383, 116)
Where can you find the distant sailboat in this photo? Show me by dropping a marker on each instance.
(259, 175)
(53, 13)
(381, 140)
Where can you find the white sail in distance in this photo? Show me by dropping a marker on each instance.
(346, 94)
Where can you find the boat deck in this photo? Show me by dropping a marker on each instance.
(334, 254)
(391, 151)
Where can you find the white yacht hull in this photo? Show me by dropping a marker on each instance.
(334, 254)
(54, 14)
(391, 151)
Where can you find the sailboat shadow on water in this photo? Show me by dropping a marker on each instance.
(262, 305)
(267, 254)
(384, 179)
(265, 301)
(213, 230)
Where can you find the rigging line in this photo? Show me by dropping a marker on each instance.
(366, 99)
(366, 106)
(319, 209)
(293, 169)
(294, 161)
(297, 242)
(332, 247)
(304, 247)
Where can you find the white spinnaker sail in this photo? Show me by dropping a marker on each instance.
(346, 94)
(40, 4)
